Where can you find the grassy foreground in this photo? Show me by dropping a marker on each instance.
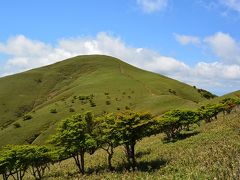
(212, 153)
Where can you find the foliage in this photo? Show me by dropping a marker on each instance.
(206, 94)
(108, 102)
(132, 127)
(229, 104)
(71, 109)
(27, 117)
(16, 125)
(53, 111)
(107, 135)
(173, 122)
(83, 76)
(210, 111)
(15, 161)
(74, 136)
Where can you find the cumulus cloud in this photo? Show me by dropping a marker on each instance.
(232, 4)
(225, 47)
(25, 53)
(185, 39)
(150, 6)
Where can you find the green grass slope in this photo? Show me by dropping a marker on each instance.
(112, 84)
(212, 153)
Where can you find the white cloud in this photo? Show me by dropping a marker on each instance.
(185, 39)
(150, 6)
(25, 54)
(225, 47)
(232, 4)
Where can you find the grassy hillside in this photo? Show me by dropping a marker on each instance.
(56, 91)
(212, 153)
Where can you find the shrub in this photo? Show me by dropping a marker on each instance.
(108, 102)
(17, 125)
(27, 117)
(92, 104)
(71, 110)
(172, 91)
(132, 127)
(74, 137)
(206, 94)
(173, 122)
(54, 111)
(210, 111)
(127, 107)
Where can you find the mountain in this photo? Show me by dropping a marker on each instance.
(32, 102)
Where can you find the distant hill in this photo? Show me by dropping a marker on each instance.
(85, 83)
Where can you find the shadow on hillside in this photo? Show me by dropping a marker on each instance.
(142, 153)
(147, 166)
(181, 136)
(143, 166)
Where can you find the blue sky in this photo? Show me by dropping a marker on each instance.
(195, 41)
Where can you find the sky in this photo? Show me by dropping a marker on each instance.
(194, 41)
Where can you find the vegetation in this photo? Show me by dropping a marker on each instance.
(175, 121)
(84, 133)
(74, 136)
(202, 136)
(16, 160)
(132, 127)
(79, 80)
(27, 117)
(206, 94)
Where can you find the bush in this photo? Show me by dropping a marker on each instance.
(92, 104)
(17, 125)
(27, 117)
(172, 91)
(127, 107)
(54, 111)
(108, 102)
(173, 122)
(71, 110)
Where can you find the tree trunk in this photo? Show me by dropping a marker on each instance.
(82, 162)
(77, 162)
(128, 155)
(5, 177)
(133, 156)
(110, 156)
(130, 152)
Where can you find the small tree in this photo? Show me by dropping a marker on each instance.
(74, 136)
(40, 157)
(3, 167)
(132, 127)
(229, 104)
(14, 161)
(173, 122)
(107, 135)
(210, 111)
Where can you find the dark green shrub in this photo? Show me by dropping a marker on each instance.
(17, 125)
(108, 102)
(92, 104)
(27, 117)
(127, 107)
(53, 111)
(71, 110)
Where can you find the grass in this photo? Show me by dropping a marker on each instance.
(212, 152)
(55, 87)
